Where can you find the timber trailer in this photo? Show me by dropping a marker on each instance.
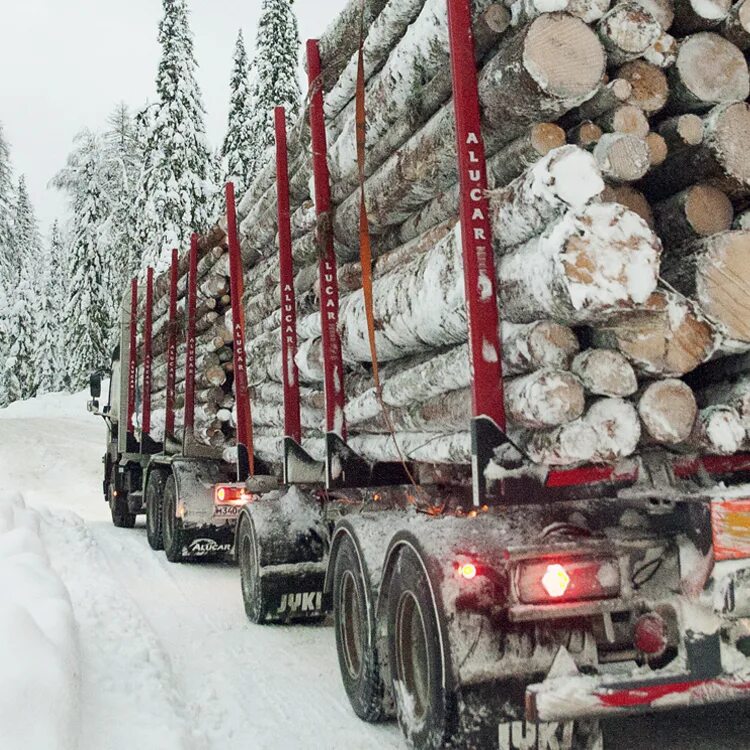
(514, 610)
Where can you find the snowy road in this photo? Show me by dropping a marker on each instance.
(169, 661)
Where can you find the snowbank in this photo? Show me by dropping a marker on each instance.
(56, 405)
(39, 680)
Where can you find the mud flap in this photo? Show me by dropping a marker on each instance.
(208, 544)
(293, 592)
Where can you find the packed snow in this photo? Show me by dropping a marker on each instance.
(106, 646)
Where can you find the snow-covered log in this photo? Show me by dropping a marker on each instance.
(661, 10)
(709, 70)
(663, 52)
(545, 80)
(610, 430)
(714, 272)
(734, 394)
(605, 372)
(627, 31)
(668, 411)
(718, 430)
(667, 336)
(631, 198)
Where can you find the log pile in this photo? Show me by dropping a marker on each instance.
(214, 399)
(619, 161)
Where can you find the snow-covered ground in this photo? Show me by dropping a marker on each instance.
(106, 646)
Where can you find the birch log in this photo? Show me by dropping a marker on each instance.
(543, 85)
(714, 271)
(609, 431)
(667, 336)
(668, 410)
(699, 211)
(709, 70)
(627, 31)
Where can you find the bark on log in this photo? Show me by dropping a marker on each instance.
(736, 27)
(709, 70)
(663, 52)
(718, 431)
(604, 372)
(699, 211)
(543, 85)
(649, 86)
(609, 431)
(628, 196)
(723, 157)
(714, 271)
(743, 221)
(668, 336)
(668, 410)
(691, 16)
(588, 11)
(733, 394)
(608, 96)
(622, 157)
(627, 31)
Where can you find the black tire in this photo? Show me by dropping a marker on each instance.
(427, 712)
(122, 518)
(174, 537)
(154, 513)
(356, 640)
(247, 558)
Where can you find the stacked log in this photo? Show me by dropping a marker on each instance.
(214, 397)
(622, 258)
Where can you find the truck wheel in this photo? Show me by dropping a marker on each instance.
(354, 621)
(154, 513)
(247, 557)
(427, 712)
(122, 518)
(173, 536)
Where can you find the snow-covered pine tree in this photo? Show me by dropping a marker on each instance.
(23, 297)
(276, 65)
(89, 331)
(177, 178)
(58, 291)
(238, 149)
(46, 364)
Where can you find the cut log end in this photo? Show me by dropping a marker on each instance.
(708, 210)
(626, 119)
(650, 90)
(631, 198)
(719, 430)
(731, 141)
(622, 157)
(657, 149)
(586, 134)
(668, 410)
(628, 31)
(546, 136)
(563, 56)
(604, 372)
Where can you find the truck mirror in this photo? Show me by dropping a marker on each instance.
(95, 384)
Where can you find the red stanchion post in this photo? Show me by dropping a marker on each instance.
(148, 331)
(172, 346)
(133, 363)
(192, 301)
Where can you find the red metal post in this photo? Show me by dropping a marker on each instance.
(133, 365)
(476, 230)
(237, 284)
(292, 421)
(172, 346)
(329, 288)
(192, 301)
(148, 332)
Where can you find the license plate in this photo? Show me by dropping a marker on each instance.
(227, 511)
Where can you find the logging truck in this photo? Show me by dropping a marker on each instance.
(510, 550)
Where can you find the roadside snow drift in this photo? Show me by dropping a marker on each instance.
(39, 678)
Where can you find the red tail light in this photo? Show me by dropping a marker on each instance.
(228, 494)
(650, 634)
(563, 581)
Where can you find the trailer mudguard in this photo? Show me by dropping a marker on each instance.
(282, 544)
(195, 480)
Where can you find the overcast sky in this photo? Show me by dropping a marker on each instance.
(64, 64)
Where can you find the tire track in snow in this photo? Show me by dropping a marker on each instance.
(128, 694)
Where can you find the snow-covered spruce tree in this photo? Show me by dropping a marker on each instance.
(46, 350)
(6, 248)
(237, 151)
(276, 65)
(23, 299)
(89, 331)
(177, 177)
(58, 291)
